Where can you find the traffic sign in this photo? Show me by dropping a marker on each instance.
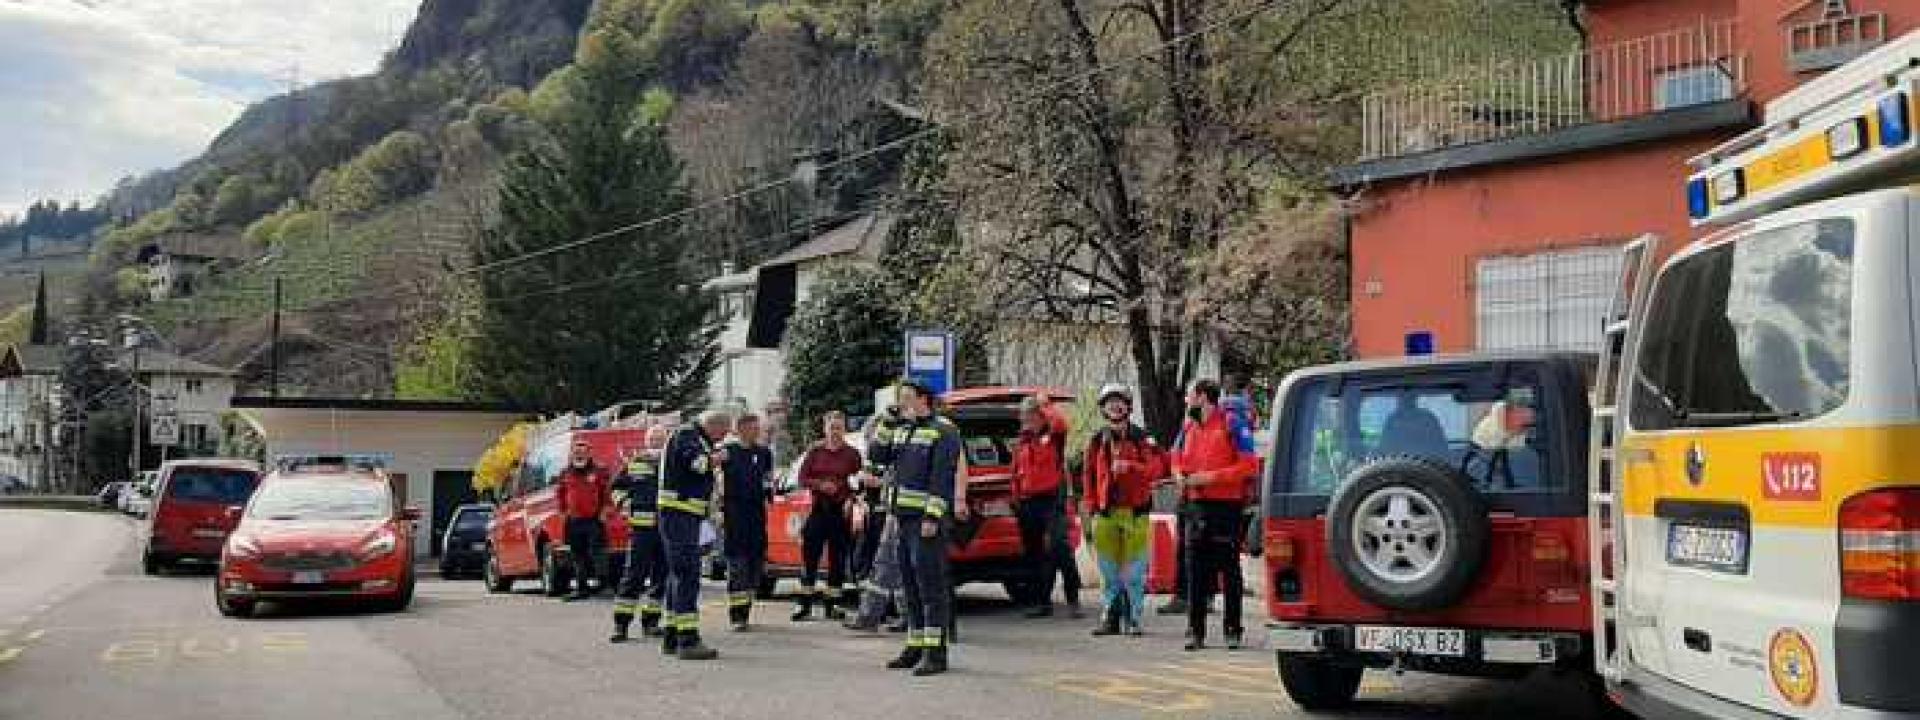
(930, 359)
(164, 430)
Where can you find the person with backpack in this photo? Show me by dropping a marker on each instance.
(1122, 465)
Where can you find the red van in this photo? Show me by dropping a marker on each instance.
(528, 538)
(195, 504)
(989, 422)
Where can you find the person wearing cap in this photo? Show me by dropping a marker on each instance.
(583, 492)
(1213, 460)
(638, 488)
(1122, 465)
(1039, 481)
(688, 480)
(926, 466)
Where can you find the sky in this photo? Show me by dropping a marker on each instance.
(94, 90)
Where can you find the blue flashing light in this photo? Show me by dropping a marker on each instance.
(1896, 122)
(1698, 206)
(1420, 342)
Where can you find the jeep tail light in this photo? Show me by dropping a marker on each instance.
(1550, 548)
(1552, 561)
(1880, 545)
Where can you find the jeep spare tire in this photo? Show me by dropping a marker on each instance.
(1408, 533)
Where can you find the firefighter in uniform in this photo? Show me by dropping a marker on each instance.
(746, 473)
(925, 466)
(687, 483)
(646, 572)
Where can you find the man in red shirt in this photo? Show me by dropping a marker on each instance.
(583, 492)
(1039, 479)
(1214, 459)
(826, 471)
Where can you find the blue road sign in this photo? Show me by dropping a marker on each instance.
(930, 359)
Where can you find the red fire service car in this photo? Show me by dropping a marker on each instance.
(528, 538)
(331, 533)
(1428, 514)
(989, 423)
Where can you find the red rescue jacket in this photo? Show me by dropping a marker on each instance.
(1039, 458)
(1221, 446)
(583, 493)
(1132, 489)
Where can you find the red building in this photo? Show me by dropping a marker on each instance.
(1494, 196)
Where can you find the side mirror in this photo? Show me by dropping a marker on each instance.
(410, 513)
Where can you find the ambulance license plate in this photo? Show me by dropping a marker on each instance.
(1720, 549)
(1412, 641)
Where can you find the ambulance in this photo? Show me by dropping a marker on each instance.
(1756, 434)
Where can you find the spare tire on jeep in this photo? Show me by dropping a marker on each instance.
(1408, 533)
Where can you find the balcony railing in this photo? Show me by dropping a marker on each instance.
(1505, 99)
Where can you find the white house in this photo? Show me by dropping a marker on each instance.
(197, 393)
(757, 302)
(29, 409)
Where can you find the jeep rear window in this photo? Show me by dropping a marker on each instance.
(1750, 332)
(1494, 433)
(211, 485)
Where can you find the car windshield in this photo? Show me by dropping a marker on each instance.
(1492, 432)
(322, 500)
(472, 520)
(211, 485)
(1750, 332)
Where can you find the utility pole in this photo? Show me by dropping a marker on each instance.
(139, 404)
(273, 345)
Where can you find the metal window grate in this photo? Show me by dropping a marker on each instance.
(1554, 300)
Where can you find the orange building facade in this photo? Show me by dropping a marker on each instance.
(1492, 200)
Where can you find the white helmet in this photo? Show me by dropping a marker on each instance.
(1110, 390)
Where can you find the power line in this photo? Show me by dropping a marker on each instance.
(910, 138)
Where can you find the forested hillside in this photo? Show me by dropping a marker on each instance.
(1183, 142)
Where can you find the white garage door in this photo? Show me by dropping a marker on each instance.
(1550, 300)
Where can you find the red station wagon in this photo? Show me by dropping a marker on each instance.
(195, 504)
(319, 535)
(989, 422)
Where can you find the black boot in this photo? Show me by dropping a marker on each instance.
(908, 659)
(692, 649)
(739, 614)
(620, 625)
(669, 641)
(932, 662)
(1196, 640)
(1109, 623)
(830, 602)
(803, 610)
(1044, 610)
(650, 625)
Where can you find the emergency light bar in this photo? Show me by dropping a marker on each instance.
(1846, 131)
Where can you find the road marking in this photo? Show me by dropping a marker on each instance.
(128, 651)
(1129, 692)
(35, 635)
(1221, 676)
(194, 649)
(8, 654)
(1262, 672)
(284, 642)
(1196, 685)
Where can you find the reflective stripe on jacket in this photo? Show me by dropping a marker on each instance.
(686, 477)
(926, 460)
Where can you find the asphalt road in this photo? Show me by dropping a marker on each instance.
(84, 635)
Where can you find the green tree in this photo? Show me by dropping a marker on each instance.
(619, 318)
(842, 342)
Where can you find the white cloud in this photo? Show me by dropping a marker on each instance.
(93, 90)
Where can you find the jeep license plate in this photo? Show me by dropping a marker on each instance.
(309, 577)
(1720, 549)
(1412, 641)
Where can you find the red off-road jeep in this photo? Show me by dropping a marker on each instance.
(1428, 514)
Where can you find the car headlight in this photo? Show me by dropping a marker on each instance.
(243, 547)
(380, 546)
